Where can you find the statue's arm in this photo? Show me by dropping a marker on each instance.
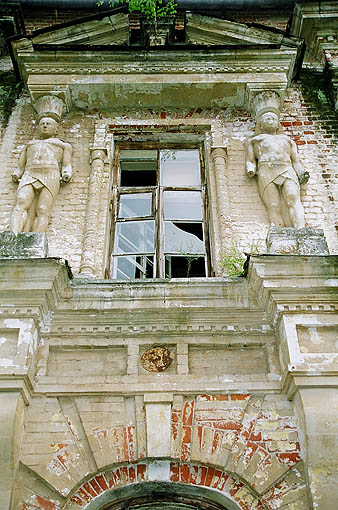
(66, 166)
(303, 176)
(250, 160)
(18, 172)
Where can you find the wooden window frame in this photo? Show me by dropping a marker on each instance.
(157, 204)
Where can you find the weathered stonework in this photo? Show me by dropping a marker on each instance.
(215, 392)
(305, 241)
(23, 245)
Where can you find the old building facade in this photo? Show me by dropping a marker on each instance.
(141, 366)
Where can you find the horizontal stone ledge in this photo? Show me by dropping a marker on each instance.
(141, 389)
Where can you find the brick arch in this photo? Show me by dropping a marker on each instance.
(236, 492)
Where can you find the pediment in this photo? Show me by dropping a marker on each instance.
(215, 31)
(116, 29)
(94, 63)
(109, 30)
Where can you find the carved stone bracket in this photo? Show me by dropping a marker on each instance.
(57, 92)
(257, 94)
(98, 157)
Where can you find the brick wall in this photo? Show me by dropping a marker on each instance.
(314, 131)
(245, 446)
(36, 19)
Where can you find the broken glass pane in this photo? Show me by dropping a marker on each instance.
(138, 168)
(182, 205)
(135, 205)
(183, 267)
(180, 168)
(133, 266)
(134, 236)
(183, 237)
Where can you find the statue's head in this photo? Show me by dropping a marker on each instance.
(47, 127)
(268, 122)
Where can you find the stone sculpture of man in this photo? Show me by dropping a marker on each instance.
(272, 156)
(43, 164)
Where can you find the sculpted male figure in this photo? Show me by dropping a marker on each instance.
(273, 158)
(42, 165)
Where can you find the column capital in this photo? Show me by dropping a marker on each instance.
(98, 153)
(218, 151)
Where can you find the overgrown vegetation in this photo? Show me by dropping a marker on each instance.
(150, 8)
(9, 92)
(233, 260)
(316, 90)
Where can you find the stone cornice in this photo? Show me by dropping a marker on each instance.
(222, 71)
(288, 283)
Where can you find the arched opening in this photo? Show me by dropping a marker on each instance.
(161, 496)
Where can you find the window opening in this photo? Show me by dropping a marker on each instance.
(160, 227)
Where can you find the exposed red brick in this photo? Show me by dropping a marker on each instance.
(291, 458)
(188, 412)
(132, 475)
(184, 473)
(45, 504)
(255, 436)
(96, 486)
(209, 476)
(240, 397)
(77, 500)
(89, 489)
(174, 430)
(102, 482)
(85, 494)
(185, 452)
(187, 435)
(116, 477)
(174, 472)
(297, 123)
(141, 472)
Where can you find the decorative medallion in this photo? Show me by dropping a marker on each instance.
(156, 359)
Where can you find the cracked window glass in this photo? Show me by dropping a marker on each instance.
(159, 222)
(183, 237)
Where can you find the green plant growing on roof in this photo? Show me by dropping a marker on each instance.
(233, 260)
(189, 256)
(149, 8)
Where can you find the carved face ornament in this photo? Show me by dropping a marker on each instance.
(156, 359)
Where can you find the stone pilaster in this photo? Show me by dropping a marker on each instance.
(11, 423)
(98, 157)
(219, 158)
